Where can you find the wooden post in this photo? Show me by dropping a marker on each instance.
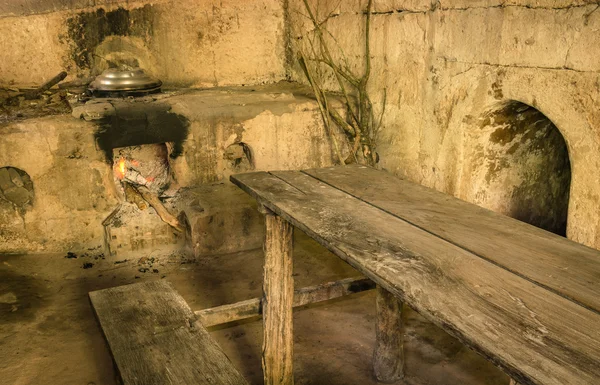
(388, 358)
(278, 296)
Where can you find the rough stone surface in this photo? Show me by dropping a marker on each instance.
(445, 64)
(17, 195)
(523, 160)
(71, 184)
(130, 231)
(75, 186)
(200, 43)
(5, 180)
(221, 218)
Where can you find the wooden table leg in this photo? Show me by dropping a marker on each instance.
(388, 358)
(278, 292)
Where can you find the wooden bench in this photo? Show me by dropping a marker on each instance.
(155, 338)
(526, 299)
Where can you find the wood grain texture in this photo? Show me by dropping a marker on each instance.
(305, 296)
(278, 296)
(154, 338)
(388, 357)
(565, 267)
(535, 335)
(232, 312)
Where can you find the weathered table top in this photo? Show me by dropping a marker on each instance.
(526, 299)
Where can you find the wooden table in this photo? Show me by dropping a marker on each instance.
(524, 298)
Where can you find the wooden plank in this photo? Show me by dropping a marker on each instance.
(305, 296)
(388, 357)
(154, 338)
(230, 313)
(565, 267)
(278, 295)
(533, 334)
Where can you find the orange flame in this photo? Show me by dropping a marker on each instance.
(121, 169)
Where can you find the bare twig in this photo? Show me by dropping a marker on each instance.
(323, 107)
(361, 127)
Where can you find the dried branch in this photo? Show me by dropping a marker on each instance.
(360, 127)
(157, 205)
(323, 105)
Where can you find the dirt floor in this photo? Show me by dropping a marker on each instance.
(48, 334)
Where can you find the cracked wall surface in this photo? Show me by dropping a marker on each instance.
(444, 63)
(184, 43)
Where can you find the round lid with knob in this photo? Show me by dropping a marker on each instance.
(119, 79)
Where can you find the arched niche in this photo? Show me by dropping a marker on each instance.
(519, 165)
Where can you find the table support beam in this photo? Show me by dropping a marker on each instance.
(388, 358)
(278, 297)
(309, 295)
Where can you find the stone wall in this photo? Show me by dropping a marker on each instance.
(446, 63)
(184, 43)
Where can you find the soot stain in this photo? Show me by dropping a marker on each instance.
(135, 124)
(87, 30)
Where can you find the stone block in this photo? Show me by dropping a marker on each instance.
(18, 195)
(130, 231)
(15, 177)
(221, 219)
(93, 111)
(5, 180)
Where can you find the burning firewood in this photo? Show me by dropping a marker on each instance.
(161, 210)
(143, 171)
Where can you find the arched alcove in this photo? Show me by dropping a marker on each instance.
(16, 187)
(520, 166)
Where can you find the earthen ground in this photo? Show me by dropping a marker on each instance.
(48, 333)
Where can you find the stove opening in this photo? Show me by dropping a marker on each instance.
(16, 188)
(145, 166)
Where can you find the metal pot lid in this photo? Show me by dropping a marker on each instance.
(117, 79)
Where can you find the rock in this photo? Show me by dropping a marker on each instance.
(9, 297)
(5, 180)
(15, 177)
(18, 195)
(93, 111)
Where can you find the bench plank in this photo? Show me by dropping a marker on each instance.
(533, 334)
(565, 267)
(154, 338)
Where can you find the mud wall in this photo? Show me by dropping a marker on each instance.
(446, 64)
(73, 181)
(185, 43)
